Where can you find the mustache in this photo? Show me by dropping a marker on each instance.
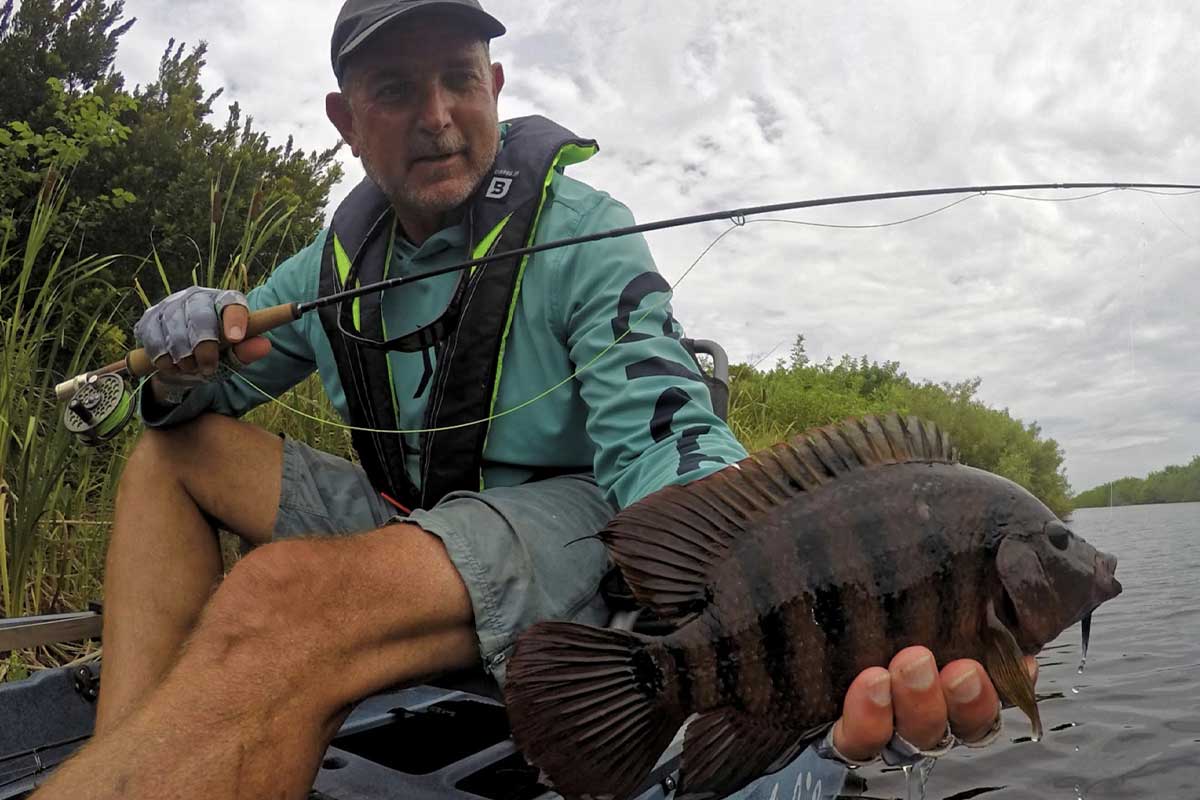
(442, 146)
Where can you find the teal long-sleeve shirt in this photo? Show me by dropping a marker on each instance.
(636, 413)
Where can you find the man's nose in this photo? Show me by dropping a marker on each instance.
(434, 114)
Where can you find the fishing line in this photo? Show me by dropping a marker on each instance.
(417, 431)
(1169, 219)
(738, 218)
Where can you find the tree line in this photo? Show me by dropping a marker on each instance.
(767, 406)
(151, 175)
(1174, 484)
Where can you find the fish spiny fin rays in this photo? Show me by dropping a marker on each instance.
(725, 750)
(669, 544)
(587, 707)
(1006, 667)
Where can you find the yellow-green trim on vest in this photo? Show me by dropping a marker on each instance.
(387, 266)
(569, 155)
(486, 243)
(342, 260)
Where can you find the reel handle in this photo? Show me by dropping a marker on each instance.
(138, 364)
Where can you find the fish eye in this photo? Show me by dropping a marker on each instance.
(1060, 537)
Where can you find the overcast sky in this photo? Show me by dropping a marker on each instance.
(1079, 315)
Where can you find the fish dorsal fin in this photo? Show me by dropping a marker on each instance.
(668, 544)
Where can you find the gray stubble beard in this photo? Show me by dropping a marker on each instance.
(401, 200)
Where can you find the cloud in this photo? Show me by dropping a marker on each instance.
(1079, 315)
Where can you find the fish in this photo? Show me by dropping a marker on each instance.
(780, 579)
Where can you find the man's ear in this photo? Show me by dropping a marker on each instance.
(337, 108)
(497, 79)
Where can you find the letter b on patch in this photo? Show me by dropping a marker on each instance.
(499, 188)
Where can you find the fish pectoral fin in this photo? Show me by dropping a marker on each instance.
(1005, 665)
(725, 750)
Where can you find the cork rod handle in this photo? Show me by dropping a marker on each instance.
(138, 365)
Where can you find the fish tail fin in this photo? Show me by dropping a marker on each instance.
(589, 707)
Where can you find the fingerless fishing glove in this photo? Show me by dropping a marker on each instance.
(183, 320)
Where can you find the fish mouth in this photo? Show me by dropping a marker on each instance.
(1105, 586)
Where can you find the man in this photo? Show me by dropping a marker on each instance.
(458, 534)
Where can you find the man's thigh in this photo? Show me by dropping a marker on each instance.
(525, 554)
(324, 495)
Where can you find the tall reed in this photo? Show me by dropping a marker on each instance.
(44, 334)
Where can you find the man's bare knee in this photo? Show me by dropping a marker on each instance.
(306, 609)
(274, 606)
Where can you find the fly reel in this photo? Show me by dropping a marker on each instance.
(100, 409)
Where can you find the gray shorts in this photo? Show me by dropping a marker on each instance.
(509, 544)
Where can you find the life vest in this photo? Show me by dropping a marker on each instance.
(469, 338)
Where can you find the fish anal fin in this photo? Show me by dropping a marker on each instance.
(1006, 667)
(727, 749)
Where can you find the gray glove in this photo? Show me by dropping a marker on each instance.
(183, 320)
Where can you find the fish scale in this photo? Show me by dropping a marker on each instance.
(783, 579)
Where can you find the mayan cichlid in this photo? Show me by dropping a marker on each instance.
(783, 579)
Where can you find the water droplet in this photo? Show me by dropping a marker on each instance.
(1076, 748)
(922, 771)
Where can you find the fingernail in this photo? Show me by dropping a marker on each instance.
(235, 332)
(966, 687)
(879, 691)
(919, 674)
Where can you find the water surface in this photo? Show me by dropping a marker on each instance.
(1129, 726)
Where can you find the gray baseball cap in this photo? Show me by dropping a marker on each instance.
(359, 20)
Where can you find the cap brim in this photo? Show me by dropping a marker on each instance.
(488, 26)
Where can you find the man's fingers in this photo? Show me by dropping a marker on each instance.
(234, 319)
(920, 706)
(207, 355)
(866, 723)
(252, 349)
(970, 698)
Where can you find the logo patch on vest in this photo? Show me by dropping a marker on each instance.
(499, 187)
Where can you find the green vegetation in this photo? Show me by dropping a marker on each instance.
(108, 199)
(1172, 484)
(766, 407)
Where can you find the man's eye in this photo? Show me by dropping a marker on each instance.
(392, 90)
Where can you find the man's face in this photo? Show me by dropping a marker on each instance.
(419, 108)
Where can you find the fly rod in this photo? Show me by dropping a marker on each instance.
(137, 364)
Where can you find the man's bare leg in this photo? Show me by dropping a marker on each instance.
(163, 557)
(299, 630)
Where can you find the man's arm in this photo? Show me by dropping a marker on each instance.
(290, 358)
(650, 415)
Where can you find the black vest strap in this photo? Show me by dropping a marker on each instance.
(469, 338)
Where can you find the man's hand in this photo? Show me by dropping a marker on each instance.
(912, 699)
(184, 333)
